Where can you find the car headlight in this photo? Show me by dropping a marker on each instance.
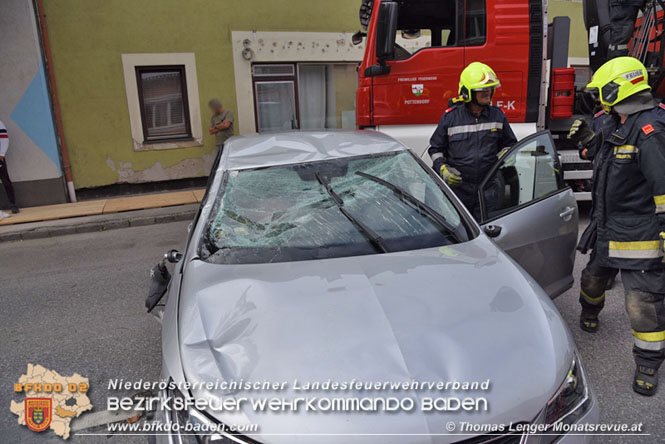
(194, 427)
(571, 401)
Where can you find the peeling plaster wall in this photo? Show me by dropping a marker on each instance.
(199, 166)
(88, 38)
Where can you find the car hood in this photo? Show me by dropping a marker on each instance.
(460, 313)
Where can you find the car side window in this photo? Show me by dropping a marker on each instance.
(527, 173)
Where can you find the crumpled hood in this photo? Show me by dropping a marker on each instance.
(459, 313)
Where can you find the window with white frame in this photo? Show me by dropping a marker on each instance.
(163, 100)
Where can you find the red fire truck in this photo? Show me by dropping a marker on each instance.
(416, 50)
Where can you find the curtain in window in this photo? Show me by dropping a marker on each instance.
(312, 96)
(163, 103)
(275, 105)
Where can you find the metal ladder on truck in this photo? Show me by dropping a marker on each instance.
(648, 44)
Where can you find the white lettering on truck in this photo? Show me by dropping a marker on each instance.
(508, 104)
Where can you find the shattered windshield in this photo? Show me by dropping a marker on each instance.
(329, 209)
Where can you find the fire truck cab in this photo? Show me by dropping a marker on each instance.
(416, 50)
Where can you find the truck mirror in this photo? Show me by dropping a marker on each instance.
(386, 29)
(411, 34)
(357, 37)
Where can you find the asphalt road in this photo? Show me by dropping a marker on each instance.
(74, 304)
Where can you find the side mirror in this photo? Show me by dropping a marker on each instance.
(159, 283)
(357, 37)
(386, 29)
(160, 278)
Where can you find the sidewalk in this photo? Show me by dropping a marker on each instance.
(100, 215)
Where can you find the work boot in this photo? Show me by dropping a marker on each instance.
(645, 381)
(14, 209)
(589, 322)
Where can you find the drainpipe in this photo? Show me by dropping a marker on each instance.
(62, 145)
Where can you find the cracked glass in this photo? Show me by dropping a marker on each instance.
(284, 213)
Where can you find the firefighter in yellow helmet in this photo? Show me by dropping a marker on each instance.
(628, 216)
(470, 136)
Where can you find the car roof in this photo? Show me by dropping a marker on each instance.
(262, 150)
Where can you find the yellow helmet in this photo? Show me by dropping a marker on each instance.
(618, 79)
(475, 77)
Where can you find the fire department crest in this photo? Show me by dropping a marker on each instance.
(50, 400)
(38, 413)
(417, 89)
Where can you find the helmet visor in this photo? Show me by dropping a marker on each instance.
(486, 88)
(610, 92)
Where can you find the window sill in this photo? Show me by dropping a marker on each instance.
(167, 144)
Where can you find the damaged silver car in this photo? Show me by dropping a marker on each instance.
(338, 266)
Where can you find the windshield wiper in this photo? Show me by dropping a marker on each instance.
(370, 234)
(426, 209)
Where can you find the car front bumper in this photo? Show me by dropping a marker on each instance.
(591, 416)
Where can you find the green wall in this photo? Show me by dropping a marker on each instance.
(87, 40)
(578, 46)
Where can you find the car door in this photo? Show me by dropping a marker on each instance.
(531, 214)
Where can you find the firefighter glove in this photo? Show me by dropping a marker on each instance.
(580, 132)
(508, 161)
(451, 176)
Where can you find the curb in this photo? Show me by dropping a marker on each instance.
(61, 227)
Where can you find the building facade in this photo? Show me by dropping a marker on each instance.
(134, 78)
(33, 158)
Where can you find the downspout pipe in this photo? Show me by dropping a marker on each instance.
(62, 145)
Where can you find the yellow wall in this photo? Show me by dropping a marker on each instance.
(578, 36)
(89, 36)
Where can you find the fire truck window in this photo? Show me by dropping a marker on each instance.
(425, 24)
(475, 27)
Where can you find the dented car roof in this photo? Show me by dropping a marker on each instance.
(259, 150)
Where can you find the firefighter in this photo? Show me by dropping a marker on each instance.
(623, 14)
(470, 136)
(627, 229)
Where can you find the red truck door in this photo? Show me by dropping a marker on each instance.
(424, 73)
(505, 47)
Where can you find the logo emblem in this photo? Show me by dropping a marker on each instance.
(417, 89)
(647, 129)
(38, 413)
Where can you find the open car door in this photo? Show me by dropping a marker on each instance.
(531, 214)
